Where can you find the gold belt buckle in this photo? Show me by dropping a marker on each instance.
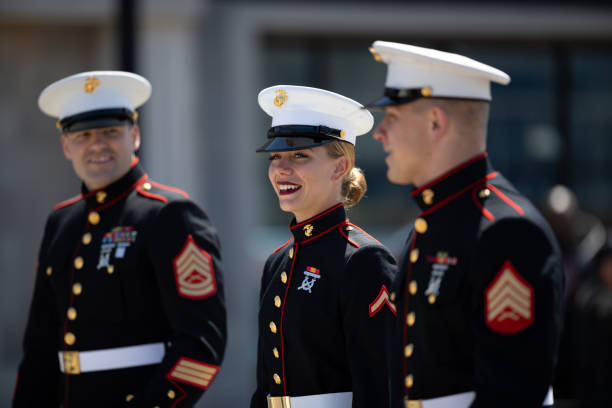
(413, 403)
(72, 364)
(279, 402)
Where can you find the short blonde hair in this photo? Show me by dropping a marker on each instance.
(354, 184)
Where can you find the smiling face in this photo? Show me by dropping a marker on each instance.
(403, 133)
(101, 156)
(307, 181)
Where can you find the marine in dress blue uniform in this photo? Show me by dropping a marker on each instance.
(128, 305)
(324, 295)
(480, 284)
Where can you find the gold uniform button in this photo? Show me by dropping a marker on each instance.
(49, 271)
(291, 253)
(484, 193)
(410, 318)
(171, 394)
(428, 196)
(273, 327)
(93, 217)
(409, 381)
(110, 269)
(277, 301)
(275, 352)
(431, 299)
(129, 397)
(277, 378)
(408, 350)
(78, 262)
(349, 228)
(284, 277)
(77, 288)
(69, 338)
(392, 296)
(413, 287)
(101, 196)
(71, 313)
(414, 255)
(146, 186)
(86, 238)
(420, 225)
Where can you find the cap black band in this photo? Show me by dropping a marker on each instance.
(314, 132)
(97, 119)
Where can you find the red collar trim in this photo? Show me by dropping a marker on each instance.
(449, 173)
(316, 217)
(122, 195)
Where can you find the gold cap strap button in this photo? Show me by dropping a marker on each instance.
(420, 225)
(413, 287)
(69, 338)
(78, 262)
(273, 327)
(86, 239)
(94, 218)
(277, 301)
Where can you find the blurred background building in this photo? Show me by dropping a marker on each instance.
(208, 59)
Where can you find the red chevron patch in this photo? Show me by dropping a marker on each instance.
(194, 272)
(509, 302)
(380, 301)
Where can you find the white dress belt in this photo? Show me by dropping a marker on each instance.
(331, 400)
(462, 400)
(76, 362)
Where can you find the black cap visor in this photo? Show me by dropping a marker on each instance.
(296, 137)
(394, 96)
(285, 144)
(97, 119)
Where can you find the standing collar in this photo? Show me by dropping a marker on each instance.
(115, 191)
(452, 183)
(319, 224)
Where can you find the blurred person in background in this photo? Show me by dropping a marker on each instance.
(128, 305)
(479, 287)
(324, 296)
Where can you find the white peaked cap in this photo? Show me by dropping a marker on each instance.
(437, 73)
(302, 105)
(92, 91)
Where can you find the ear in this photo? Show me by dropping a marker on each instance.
(136, 135)
(65, 147)
(340, 168)
(438, 122)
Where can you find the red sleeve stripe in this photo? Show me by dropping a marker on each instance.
(164, 187)
(194, 372)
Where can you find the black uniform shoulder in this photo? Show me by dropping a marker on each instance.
(160, 192)
(366, 253)
(357, 236)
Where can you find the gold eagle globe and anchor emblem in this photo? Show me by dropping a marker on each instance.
(280, 98)
(308, 228)
(91, 83)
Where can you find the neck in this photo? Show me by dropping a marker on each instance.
(450, 153)
(301, 216)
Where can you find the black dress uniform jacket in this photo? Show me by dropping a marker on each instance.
(478, 294)
(322, 312)
(132, 264)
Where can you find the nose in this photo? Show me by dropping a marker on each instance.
(281, 166)
(380, 133)
(98, 137)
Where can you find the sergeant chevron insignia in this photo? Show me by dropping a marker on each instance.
(509, 302)
(194, 272)
(192, 372)
(381, 300)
